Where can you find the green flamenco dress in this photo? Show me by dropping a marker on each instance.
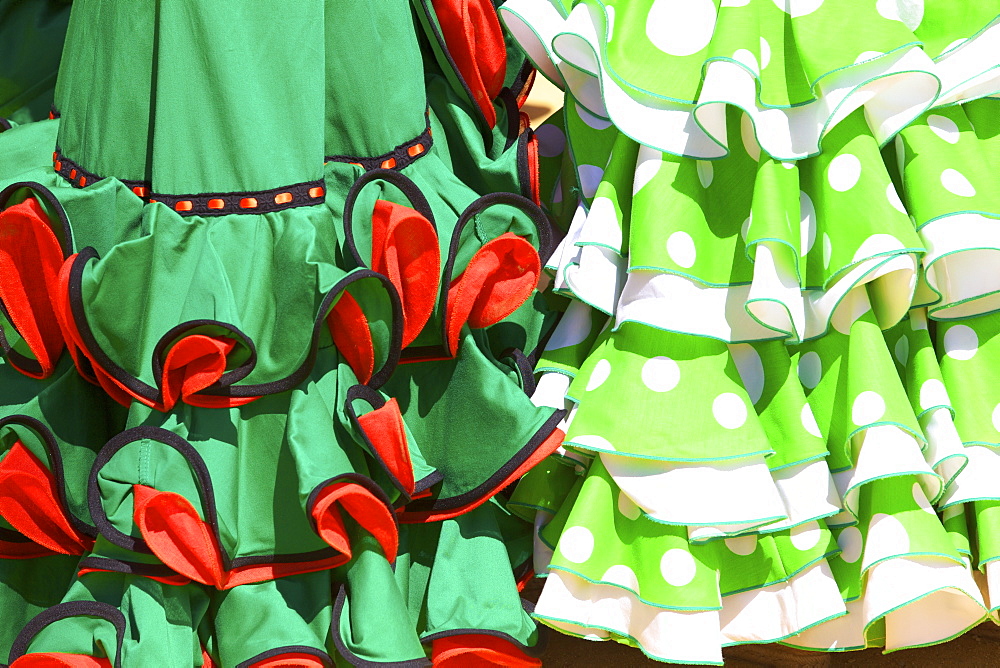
(267, 357)
(778, 350)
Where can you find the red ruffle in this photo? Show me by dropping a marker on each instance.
(30, 259)
(405, 249)
(59, 660)
(29, 501)
(474, 39)
(476, 650)
(364, 508)
(499, 278)
(349, 328)
(384, 429)
(290, 660)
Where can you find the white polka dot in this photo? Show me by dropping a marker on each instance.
(677, 567)
(627, 507)
(602, 224)
(887, 537)
(909, 12)
(622, 576)
(592, 442)
(600, 374)
(576, 544)
(749, 138)
(647, 165)
(903, 350)
(660, 374)
(943, 127)
(742, 545)
(705, 172)
(807, 224)
(745, 57)
(798, 7)
(996, 417)
(680, 27)
(590, 178)
(806, 536)
(956, 183)
(961, 342)
(827, 250)
(921, 499)
(729, 410)
(869, 407)
(551, 140)
(745, 228)
(750, 368)
(877, 244)
(850, 544)
(765, 53)
(611, 21)
(843, 172)
(680, 247)
(809, 421)
(893, 197)
(810, 369)
(865, 56)
(932, 393)
(590, 120)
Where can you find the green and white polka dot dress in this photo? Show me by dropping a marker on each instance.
(783, 326)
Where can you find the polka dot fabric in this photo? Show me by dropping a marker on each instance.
(783, 425)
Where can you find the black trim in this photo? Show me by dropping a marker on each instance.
(198, 204)
(5, 124)
(400, 155)
(127, 567)
(424, 505)
(97, 609)
(525, 369)
(288, 649)
(513, 116)
(351, 657)
(53, 112)
(427, 482)
(175, 334)
(525, 77)
(55, 466)
(409, 189)
(203, 482)
(222, 388)
(524, 171)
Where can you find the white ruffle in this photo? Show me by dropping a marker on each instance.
(596, 611)
(883, 283)
(962, 251)
(711, 498)
(978, 480)
(893, 88)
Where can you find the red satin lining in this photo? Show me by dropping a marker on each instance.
(534, 180)
(30, 258)
(364, 508)
(179, 538)
(475, 42)
(59, 660)
(29, 501)
(548, 446)
(475, 650)
(290, 660)
(384, 428)
(405, 249)
(349, 327)
(499, 278)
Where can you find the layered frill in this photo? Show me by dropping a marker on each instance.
(258, 403)
(773, 432)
